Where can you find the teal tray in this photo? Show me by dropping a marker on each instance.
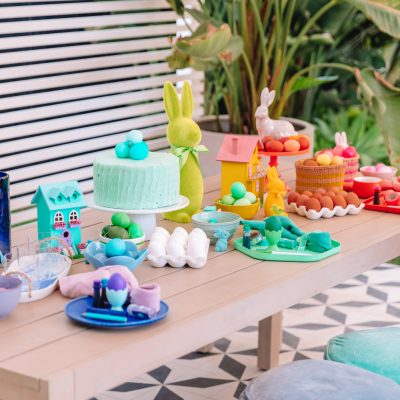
(286, 254)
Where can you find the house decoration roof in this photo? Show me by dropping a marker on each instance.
(237, 148)
(58, 196)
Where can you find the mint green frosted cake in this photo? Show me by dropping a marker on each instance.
(136, 184)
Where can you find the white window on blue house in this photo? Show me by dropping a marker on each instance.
(58, 217)
(73, 216)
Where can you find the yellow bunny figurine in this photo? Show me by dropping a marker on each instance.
(274, 203)
(184, 135)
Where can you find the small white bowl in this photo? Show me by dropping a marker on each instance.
(381, 175)
(138, 241)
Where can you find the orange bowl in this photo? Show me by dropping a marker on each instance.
(245, 212)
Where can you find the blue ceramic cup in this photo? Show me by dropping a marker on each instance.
(5, 232)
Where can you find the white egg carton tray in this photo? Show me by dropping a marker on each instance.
(325, 212)
(178, 249)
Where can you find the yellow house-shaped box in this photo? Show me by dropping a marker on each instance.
(240, 163)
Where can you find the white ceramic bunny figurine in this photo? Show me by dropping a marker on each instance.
(267, 126)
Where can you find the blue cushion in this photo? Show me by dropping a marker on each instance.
(320, 380)
(377, 350)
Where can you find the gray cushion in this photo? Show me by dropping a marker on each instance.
(320, 380)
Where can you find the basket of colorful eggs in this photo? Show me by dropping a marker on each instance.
(123, 228)
(239, 201)
(324, 203)
(321, 172)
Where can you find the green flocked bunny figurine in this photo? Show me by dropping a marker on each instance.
(184, 136)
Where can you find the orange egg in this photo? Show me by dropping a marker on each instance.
(310, 163)
(321, 191)
(342, 193)
(292, 197)
(327, 202)
(307, 193)
(274, 145)
(334, 190)
(340, 201)
(291, 145)
(313, 204)
(304, 142)
(352, 198)
(316, 196)
(331, 194)
(301, 200)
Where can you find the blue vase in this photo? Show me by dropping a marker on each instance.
(5, 231)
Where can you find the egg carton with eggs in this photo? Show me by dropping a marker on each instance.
(178, 248)
(325, 212)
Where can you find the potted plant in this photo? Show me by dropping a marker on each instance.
(244, 46)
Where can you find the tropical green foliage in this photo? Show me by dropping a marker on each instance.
(245, 45)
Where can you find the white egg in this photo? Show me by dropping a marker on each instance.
(174, 249)
(156, 249)
(197, 232)
(157, 237)
(180, 231)
(162, 231)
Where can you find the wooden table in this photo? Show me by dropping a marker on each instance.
(45, 356)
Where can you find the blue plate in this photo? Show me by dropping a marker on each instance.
(76, 307)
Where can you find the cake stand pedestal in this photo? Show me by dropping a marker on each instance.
(146, 218)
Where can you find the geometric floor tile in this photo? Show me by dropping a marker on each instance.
(369, 300)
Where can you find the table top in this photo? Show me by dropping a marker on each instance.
(44, 355)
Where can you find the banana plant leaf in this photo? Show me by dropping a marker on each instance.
(384, 100)
(385, 14)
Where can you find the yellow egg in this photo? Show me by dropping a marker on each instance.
(336, 160)
(324, 159)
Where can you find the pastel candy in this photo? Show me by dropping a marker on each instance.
(122, 150)
(139, 151)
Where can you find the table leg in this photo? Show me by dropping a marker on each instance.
(269, 341)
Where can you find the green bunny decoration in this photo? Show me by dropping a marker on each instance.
(184, 136)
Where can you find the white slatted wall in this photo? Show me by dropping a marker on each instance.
(74, 77)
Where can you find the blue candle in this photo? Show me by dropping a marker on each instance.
(5, 233)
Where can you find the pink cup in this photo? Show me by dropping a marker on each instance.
(147, 295)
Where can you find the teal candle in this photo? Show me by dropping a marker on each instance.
(104, 317)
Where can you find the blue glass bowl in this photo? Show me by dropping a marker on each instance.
(95, 255)
(224, 220)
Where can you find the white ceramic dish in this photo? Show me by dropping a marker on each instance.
(381, 175)
(61, 267)
(325, 212)
(179, 248)
(138, 241)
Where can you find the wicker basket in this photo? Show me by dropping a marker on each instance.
(351, 165)
(312, 177)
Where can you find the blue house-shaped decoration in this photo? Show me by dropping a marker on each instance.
(59, 212)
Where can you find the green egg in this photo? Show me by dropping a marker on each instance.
(116, 232)
(228, 200)
(120, 219)
(238, 190)
(135, 231)
(273, 224)
(242, 202)
(104, 231)
(251, 197)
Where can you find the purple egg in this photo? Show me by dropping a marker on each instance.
(116, 282)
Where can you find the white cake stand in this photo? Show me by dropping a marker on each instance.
(146, 218)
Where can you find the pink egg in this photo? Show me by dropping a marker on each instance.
(328, 152)
(384, 169)
(338, 151)
(370, 168)
(349, 152)
(380, 165)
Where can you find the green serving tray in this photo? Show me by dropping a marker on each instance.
(286, 254)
